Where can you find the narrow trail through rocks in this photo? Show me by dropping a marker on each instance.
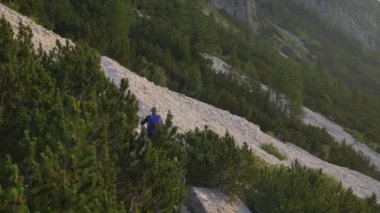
(190, 113)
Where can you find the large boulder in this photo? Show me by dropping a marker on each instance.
(204, 200)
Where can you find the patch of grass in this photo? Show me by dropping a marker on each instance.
(268, 147)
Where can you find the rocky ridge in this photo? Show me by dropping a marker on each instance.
(190, 113)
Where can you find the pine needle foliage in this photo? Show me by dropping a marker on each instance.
(67, 141)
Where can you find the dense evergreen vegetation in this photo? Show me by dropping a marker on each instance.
(163, 41)
(215, 161)
(218, 162)
(167, 37)
(298, 189)
(67, 144)
(66, 132)
(66, 136)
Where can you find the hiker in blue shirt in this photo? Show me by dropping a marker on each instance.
(153, 120)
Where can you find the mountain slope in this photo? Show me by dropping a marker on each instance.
(359, 19)
(326, 38)
(310, 117)
(189, 113)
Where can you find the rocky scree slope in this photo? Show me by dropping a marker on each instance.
(190, 113)
(310, 117)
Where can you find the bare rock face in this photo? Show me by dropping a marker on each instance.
(204, 200)
(242, 10)
(359, 19)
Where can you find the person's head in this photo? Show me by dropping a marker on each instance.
(154, 110)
